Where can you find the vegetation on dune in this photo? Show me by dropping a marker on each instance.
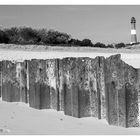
(28, 35)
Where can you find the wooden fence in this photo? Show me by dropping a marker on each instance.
(81, 87)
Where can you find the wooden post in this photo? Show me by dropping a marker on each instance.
(122, 93)
(84, 87)
(52, 76)
(0, 79)
(13, 81)
(112, 79)
(71, 95)
(131, 91)
(92, 78)
(60, 85)
(39, 90)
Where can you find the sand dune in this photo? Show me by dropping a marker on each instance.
(20, 55)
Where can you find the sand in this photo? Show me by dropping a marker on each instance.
(18, 118)
(20, 55)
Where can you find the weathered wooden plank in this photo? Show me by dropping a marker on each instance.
(32, 66)
(84, 88)
(100, 79)
(81, 83)
(13, 81)
(74, 88)
(112, 83)
(92, 74)
(60, 85)
(123, 100)
(52, 76)
(23, 81)
(71, 102)
(131, 96)
(39, 89)
(44, 96)
(122, 112)
(9, 81)
(0, 78)
(138, 90)
(67, 86)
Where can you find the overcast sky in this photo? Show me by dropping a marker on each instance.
(106, 24)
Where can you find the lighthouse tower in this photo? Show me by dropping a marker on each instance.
(133, 31)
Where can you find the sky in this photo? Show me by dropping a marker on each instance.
(100, 23)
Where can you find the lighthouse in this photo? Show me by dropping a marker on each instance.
(133, 31)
